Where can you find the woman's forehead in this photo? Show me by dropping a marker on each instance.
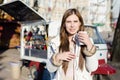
(72, 17)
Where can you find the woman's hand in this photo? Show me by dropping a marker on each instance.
(84, 38)
(65, 56)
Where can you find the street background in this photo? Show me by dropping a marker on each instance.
(52, 10)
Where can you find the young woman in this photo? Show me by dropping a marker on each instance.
(68, 58)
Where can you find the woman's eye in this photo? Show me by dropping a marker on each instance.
(75, 21)
(68, 21)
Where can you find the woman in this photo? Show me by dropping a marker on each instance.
(69, 59)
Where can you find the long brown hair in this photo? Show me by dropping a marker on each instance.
(64, 44)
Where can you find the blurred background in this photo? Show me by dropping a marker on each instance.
(101, 13)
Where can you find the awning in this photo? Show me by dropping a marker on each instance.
(22, 12)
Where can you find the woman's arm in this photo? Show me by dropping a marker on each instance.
(51, 53)
(92, 63)
(91, 58)
(56, 60)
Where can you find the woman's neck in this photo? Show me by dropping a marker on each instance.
(71, 39)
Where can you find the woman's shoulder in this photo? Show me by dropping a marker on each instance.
(54, 40)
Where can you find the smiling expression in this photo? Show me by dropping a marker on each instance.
(72, 24)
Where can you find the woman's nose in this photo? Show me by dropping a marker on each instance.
(72, 24)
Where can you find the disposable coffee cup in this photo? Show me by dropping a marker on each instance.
(76, 38)
(15, 69)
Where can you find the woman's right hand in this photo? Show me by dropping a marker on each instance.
(65, 56)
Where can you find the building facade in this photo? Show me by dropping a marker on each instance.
(94, 12)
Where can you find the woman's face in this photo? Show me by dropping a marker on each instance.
(72, 24)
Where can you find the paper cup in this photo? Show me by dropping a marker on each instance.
(76, 38)
(15, 69)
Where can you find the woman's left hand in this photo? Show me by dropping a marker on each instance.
(84, 38)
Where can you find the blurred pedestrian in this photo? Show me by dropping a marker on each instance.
(14, 41)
